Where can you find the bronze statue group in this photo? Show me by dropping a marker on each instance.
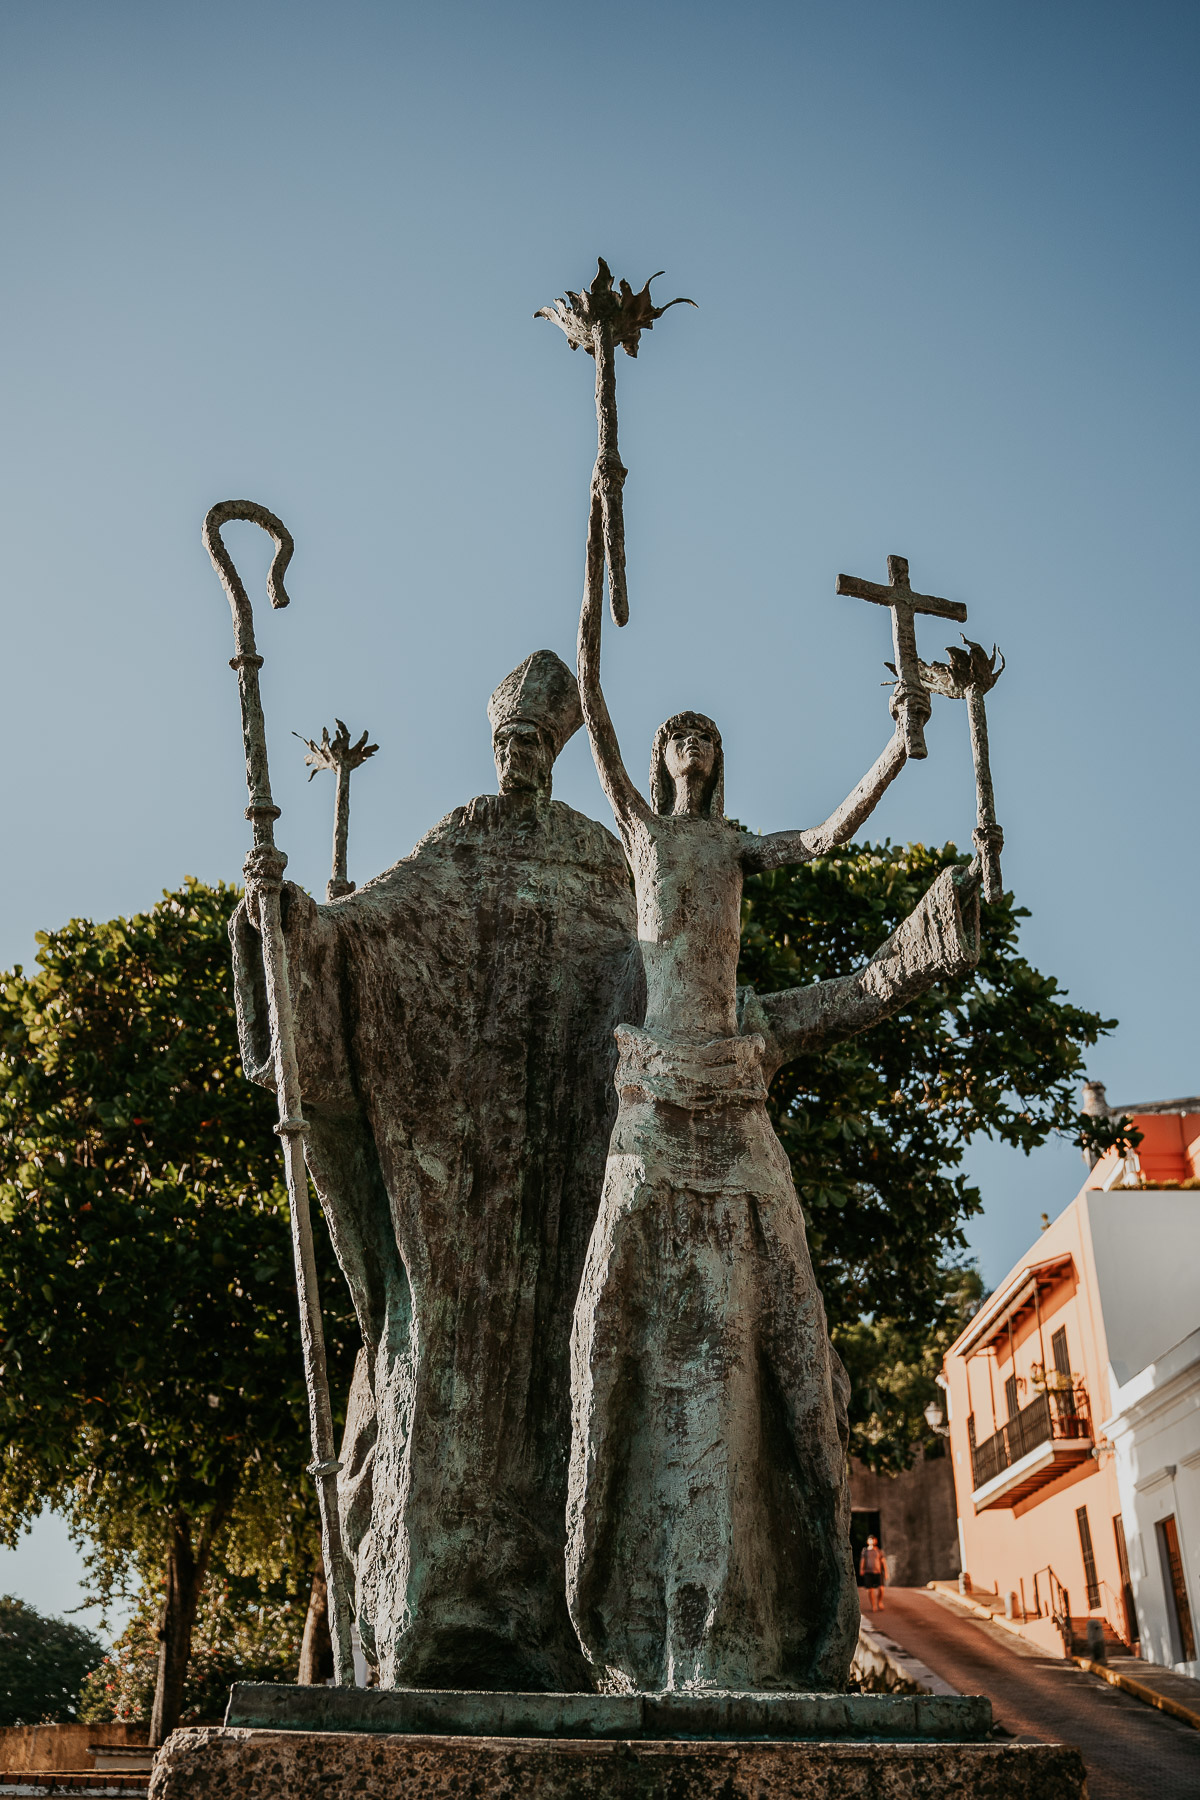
(596, 1437)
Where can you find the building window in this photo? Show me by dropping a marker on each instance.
(1064, 1396)
(1058, 1347)
(1127, 1606)
(1177, 1597)
(1010, 1397)
(1089, 1557)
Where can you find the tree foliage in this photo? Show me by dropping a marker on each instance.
(893, 1367)
(150, 1369)
(240, 1635)
(1101, 1132)
(876, 1128)
(43, 1665)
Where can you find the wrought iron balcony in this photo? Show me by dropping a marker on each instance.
(1050, 1435)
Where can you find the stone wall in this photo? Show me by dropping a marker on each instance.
(918, 1521)
(62, 1747)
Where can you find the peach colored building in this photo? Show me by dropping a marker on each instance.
(1108, 1286)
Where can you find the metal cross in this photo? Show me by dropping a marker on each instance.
(911, 698)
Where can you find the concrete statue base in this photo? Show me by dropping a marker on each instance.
(287, 1743)
(223, 1763)
(430, 1712)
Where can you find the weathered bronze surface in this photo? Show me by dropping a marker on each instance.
(945, 1717)
(968, 676)
(453, 1025)
(599, 320)
(264, 868)
(535, 1116)
(338, 754)
(910, 702)
(708, 1511)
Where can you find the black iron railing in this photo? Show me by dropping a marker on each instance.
(1048, 1416)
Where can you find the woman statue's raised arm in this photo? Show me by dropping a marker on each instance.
(780, 847)
(623, 796)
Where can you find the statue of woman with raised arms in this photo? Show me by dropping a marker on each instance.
(708, 1514)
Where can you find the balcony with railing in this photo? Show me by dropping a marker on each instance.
(1037, 1445)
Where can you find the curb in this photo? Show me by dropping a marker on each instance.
(908, 1669)
(1139, 1691)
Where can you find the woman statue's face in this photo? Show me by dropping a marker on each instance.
(690, 753)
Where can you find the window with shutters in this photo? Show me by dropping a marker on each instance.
(1064, 1396)
(1089, 1557)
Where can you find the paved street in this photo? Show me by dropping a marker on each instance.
(1132, 1752)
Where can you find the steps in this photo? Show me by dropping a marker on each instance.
(1114, 1643)
(1045, 1632)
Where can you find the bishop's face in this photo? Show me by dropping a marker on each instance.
(524, 758)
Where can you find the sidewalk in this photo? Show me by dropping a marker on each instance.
(1153, 1685)
(1132, 1751)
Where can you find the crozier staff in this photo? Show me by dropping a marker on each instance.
(264, 868)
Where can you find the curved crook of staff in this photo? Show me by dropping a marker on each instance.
(264, 879)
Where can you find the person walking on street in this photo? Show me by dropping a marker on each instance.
(873, 1572)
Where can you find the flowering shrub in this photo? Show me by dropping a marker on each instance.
(233, 1641)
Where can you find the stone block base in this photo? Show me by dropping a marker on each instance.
(484, 1713)
(220, 1763)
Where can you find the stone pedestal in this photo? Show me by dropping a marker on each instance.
(480, 1713)
(319, 1743)
(224, 1763)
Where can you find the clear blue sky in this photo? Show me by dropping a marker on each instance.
(946, 261)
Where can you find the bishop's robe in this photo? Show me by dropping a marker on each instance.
(454, 1021)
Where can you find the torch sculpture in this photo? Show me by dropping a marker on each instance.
(597, 320)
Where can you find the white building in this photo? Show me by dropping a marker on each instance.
(1155, 1433)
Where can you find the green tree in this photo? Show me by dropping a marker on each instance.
(893, 1365)
(150, 1369)
(150, 1373)
(43, 1664)
(1099, 1134)
(240, 1635)
(876, 1128)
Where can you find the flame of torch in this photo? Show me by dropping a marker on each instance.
(597, 320)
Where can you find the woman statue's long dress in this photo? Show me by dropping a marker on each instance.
(708, 1517)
